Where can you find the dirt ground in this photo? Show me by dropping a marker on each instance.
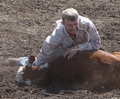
(24, 24)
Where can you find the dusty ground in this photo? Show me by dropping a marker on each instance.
(24, 24)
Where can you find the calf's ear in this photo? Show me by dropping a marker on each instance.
(31, 59)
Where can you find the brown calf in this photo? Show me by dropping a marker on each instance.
(95, 67)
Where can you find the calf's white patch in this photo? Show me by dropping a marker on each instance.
(19, 78)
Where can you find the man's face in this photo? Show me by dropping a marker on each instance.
(71, 26)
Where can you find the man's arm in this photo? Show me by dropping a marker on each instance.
(49, 46)
(46, 53)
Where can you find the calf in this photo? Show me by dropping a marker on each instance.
(95, 67)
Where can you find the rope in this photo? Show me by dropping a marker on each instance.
(88, 36)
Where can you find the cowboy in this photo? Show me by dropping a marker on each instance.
(73, 33)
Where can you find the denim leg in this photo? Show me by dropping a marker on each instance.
(22, 61)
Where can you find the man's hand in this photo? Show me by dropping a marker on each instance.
(70, 52)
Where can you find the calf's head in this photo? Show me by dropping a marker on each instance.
(28, 70)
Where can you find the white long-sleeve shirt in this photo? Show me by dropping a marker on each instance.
(60, 38)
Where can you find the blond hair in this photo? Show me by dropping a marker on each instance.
(70, 14)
